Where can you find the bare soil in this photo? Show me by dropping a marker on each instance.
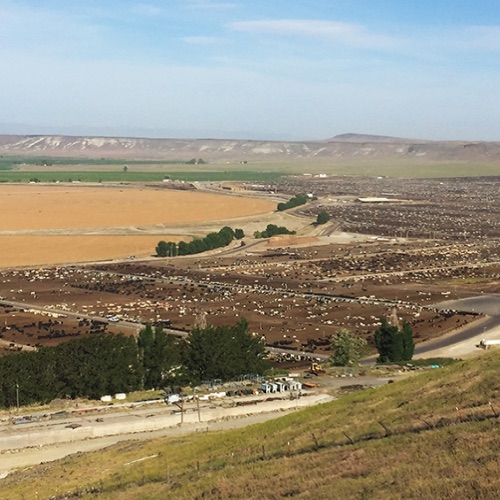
(60, 224)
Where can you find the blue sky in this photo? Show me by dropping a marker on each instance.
(251, 69)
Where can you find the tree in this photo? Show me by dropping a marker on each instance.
(348, 348)
(160, 357)
(183, 248)
(239, 234)
(198, 245)
(125, 168)
(297, 200)
(87, 367)
(224, 352)
(272, 230)
(393, 345)
(226, 235)
(408, 343)
(162, 249)
(322, 218)
(97, 365)
(171, 249)
(166, 249)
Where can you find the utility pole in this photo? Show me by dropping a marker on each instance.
(17, 398)
(195, 396)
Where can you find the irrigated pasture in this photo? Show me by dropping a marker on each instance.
(57, 224)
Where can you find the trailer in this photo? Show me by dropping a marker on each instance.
(486, 344)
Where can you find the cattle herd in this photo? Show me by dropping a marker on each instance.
(435, 240)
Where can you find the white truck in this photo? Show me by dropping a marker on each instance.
(486, 344)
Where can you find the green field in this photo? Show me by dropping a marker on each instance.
(137, 176)
(104, 169)
(433, 435)
(15, 162)
(405, 169)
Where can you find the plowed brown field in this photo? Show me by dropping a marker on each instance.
(36, 220)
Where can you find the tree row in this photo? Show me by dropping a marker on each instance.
(210, 242)
(96, 365)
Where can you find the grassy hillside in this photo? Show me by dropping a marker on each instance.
(434, 435)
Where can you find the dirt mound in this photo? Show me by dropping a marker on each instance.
(287, 240)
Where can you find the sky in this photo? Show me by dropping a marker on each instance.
(251, 69)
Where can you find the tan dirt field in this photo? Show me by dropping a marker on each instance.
(47, 250)
(68, 207)
(37, 218)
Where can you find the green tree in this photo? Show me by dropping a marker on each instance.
(88, 367)
(322, 218)
(183, 248)
(239, 234)
(273, 230)
(212, 240)
(297, 200)
(226, 235)
(171, 249)
(347, 348)
(160, 357)
(224, 352)
(199, 245)
(162, 249)
(393, 345)
(408, 342)
(97, 365)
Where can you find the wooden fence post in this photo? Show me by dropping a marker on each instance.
(348, 437)
(388, 431)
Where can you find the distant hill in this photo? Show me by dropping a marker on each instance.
(340, 148)
(367, 138)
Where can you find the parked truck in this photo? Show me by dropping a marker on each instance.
(486, 344)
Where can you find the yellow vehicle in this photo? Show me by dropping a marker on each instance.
(316, 368)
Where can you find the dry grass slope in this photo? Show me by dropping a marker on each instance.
(404, 440)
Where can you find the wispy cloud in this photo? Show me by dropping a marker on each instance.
(202, 40)
(210, 4)
(481, 37)
(347, 33)
(147, 10)
(46, 30)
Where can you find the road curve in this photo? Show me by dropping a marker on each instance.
(467, 333)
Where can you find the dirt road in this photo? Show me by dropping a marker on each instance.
(33, 443)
